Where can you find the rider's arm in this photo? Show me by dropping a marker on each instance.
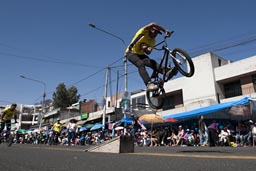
(3, 114)
(150, 25)
(147, 49)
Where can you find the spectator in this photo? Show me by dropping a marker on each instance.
(188, 139)
(154, 138)
(64, 140)
(240, 134)
(203, 132)
(71, 131)
(134, 126)
(248, 136)
(173, 138)
(213, 133)
(180, 135)
(164, 136)
(57, 126)
(224, 137)
(254, 134)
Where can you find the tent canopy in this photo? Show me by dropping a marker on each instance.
(206, 110)
(127, 120)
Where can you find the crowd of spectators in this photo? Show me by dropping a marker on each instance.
(210, 133)
(215, 134)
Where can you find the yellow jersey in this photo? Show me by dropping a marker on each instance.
(57, 127)
(141, 37)
(8, 113)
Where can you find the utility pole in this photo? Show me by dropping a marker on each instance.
(44, 95)
(126, 94)
(105, 99)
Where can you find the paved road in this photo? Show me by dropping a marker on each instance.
(41, 157)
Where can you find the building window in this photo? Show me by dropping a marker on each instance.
(219, 62)
(254, 82)
(169, 103)
(139, 102)
(233, 89)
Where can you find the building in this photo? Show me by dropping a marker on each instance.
(216, 80)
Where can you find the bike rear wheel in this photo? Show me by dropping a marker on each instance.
(183, 62)
(156, 98)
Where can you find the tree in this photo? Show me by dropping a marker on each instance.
(65, 97)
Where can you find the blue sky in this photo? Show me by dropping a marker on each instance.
(51, 41)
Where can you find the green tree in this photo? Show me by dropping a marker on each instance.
(64, 97)
(72, 95)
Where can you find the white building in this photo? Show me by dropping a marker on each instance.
(216, 80)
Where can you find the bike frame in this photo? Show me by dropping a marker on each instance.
(164, 59)
(178, 57)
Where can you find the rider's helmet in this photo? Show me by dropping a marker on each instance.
(14, 105)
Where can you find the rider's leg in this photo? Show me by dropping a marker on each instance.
(8, 125)
(140, 62)
(8, 128)
(2, 126)
(170, 72)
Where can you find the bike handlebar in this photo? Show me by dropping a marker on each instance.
(170, 34)
(163, 41)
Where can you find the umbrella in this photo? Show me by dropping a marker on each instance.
(88, 125)
(170, 120)
(96, 126)
(36, 131)
(82, 129)
(22, 131)
(74, 120)
(119, 128)
(239, 110)
(151, 118)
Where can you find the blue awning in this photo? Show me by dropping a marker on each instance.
(206, 110)
(127, 120)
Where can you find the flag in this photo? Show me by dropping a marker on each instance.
(141, 125)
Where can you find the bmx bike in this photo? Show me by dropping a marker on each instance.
(6, 137)
(181, 62)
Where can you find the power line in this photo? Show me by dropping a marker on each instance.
(223, 44)
(47, 61)
(231, 46)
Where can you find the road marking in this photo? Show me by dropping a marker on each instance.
(54, 148)
(157, 154)
(197, 156)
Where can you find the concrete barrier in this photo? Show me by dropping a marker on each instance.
(121, 144)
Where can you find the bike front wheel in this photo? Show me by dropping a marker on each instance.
(156, 98)
(183, 62)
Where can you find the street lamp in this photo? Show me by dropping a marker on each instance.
(111, 34)
(125, 59)
(125, 64)
(44, 95)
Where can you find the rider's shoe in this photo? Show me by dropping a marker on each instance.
(172, 72)
(151, 86)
